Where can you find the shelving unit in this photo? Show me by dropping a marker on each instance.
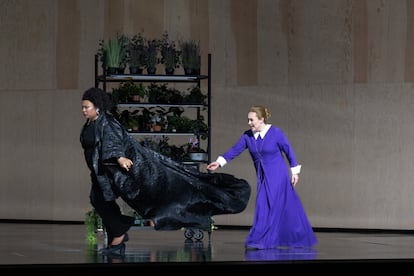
(202, 109)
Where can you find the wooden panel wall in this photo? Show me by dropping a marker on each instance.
(336, 74)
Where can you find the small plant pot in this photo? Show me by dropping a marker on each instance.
(151, 70)
(169, 71)
(198, 156)
(136, 98)
(156, 128)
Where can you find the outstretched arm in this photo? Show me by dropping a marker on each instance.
(220, 162)
(213, 166)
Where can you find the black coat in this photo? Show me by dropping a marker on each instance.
(158, 188)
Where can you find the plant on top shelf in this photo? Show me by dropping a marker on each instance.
(190, 57)
(113, 53)
(136, 54)
(151, 51)
(170, 56)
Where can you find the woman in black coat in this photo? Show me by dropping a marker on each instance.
(162, 190)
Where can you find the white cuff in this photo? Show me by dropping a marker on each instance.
(221, 161)
(296, 170)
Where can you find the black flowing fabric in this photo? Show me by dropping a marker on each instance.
(175, 196)
(169, 193)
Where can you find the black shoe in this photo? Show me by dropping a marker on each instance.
(125, 239)
(118, 249)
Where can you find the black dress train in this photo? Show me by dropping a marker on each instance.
(158, 188)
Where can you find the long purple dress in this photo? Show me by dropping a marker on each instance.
(279, 219)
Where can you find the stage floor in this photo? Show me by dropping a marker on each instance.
(64, 246)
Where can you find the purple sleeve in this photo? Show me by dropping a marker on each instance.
(237, 149)
(285, 147)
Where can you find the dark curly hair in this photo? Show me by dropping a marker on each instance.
(99, 98)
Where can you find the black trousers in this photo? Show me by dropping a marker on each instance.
(116, 224)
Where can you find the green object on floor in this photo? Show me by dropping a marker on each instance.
(93, 223)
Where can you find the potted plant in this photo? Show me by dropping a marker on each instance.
(170, 56)
(160, 144)
(151, 51)
(113, 54)
(157, 143)
(199, 127)
(133, 123)
(195, 96)
(128, 91)
(136, 54)
(161, 93)
(137, 92)
(194, 151)
(159, 121)
(190, 57)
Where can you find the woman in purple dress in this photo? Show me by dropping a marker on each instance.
(279, 219)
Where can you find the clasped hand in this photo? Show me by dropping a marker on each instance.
(125, 163)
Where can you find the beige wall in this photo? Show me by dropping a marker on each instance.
(337, 76)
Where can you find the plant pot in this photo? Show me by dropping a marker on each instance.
(135, 70)
(156, 128)
(136, 98)
(151, 70)
(111, 70)
(198, 156)
(188, 71)
(169, 71)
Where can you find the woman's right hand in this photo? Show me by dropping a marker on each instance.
(213, 166)
(125, 163)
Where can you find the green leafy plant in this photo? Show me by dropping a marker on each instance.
(184, 124)
(151, 51)
(131, 120)
(133, 123)
(113, 53)
(126, 90)
(160, 144)
(93, 223)
(195, 95)
(170, 56)
(161, 93)
(136, 51)
(190, 56)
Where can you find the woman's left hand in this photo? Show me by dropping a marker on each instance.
(295, 179)
(125, 163)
